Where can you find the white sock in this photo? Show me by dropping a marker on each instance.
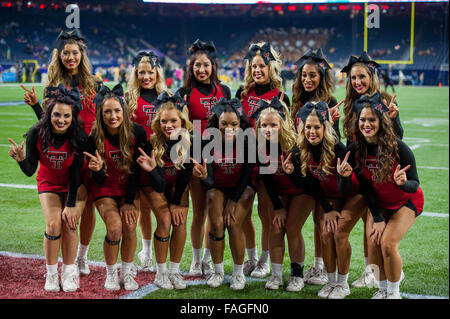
(366, 261)
(382, 285)
(174, 267)
(318, 262)
(342, 279)
(206, 254)
(161, 268)
(238, 269)
(252, 253)
(264, 256)
(277, 269)
(126, 267)
(68, 268)
(147, 247)
(393, 286)
(110, 269)
(82, 250)
(197, 254)
(218, 268)
(52, 269)
(332, 277)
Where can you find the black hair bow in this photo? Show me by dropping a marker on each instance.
(234, 103)
(375, 101)
(274, 103)
(317, 57)
(53, 92)
(64, 36)
(117, 91)
(364, 58)
(154, 60)
(321, 110)
(176, 99)
(208, 48)
(266, 54)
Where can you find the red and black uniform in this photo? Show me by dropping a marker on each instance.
(386, 198)
(60, 163)
(202, 98)
(115, 182)
(145, 110)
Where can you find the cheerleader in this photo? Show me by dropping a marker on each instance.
(314, 82)
(229, 196)
(387, 173)
(145, 84)
(290, 205)
(262, 80)
(56, 142)
(362, 79)
(70, 66)
(202, 90)
(112, 152)
(171, 127)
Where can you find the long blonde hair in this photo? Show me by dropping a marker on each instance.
(276, 82)
(329, 141)
(158, 139)
(134, 89)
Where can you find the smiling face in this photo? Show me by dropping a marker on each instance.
(260, 70)
(71, 57)
(112, 114)
(314, 130)
(228, 125)
(360, 78)
(202, 69)
(310, 77)
(61, 118)
(146, 75)
(270, 126)
(369, 124)
(170, 122)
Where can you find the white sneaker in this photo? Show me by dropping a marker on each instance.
(315, 276)
(112, 281)
(70, 280)
(146, 262)
(162, 281)
(340, 291)
(367, 279)
(295, 284)
(52, 282)
(261, 270)
(380, 294)
(326, 290)
(83, 265)
(274, 282)
(128, 282)
(249, 266)
(196, 269)
(215, 280)
(237, 282)
(177, 280)
(393, 295)
(207, 268)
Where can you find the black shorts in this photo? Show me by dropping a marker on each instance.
(387, 213)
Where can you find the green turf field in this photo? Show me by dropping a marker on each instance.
(424, 113)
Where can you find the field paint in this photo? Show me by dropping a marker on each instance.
(18, 186)
(17, 114)
(434, 167)
(427, 122)
(430, 214)
(14, 125)
(12, 103)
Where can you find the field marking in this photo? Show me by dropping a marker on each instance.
(17, 114)
(431, 214)
(18, 186)
(12, 103)
(434, 167)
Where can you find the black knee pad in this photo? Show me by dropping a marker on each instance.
(49, 237)
(112, 242)
(212, 237)
(160, 238)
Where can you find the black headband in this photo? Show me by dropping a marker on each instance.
(317, 57)
(64, 36)
(208, 48)
(321, 110)
(234, 103)
(364, 58)
(154, 60)
(266, 54)
(176, 99)
(375, 102)
(274, 103)
(117, 91)
(53, 92)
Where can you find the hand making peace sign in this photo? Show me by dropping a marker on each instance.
(17, 152)
(343, 168)
(95, 162)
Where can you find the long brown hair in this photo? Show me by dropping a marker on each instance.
(191, 82)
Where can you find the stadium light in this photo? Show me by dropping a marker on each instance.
(308, 8)
(292, 8)
(322, 8)
(277, 8)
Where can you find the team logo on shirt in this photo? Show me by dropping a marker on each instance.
(227, 164)
(318, 172)
(56, 158)
(372, 167)
(114, 155)
(149, 111)
(208, 102)
(253, 104)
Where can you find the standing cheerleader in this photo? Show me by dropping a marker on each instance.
(290, 205)
(362, 79)
(387, 173)
(229, 196)
(314, 82)
(202, 90)
(170, 148)
(70, 66)
(57, 143)
(112, 151)
(262, 81)
(145, 84)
